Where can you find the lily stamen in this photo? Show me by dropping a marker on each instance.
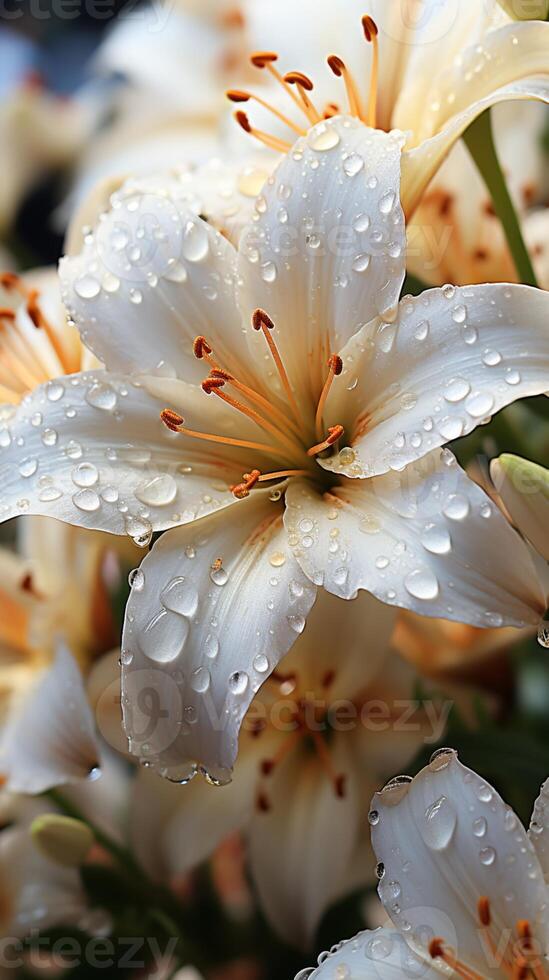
(266, 59)
(268, 765)
(370, 29)
(213, 386)
(262, 321)
(175, 422)
(335, 365)
(334, 433)
(235, 95)
(337, 779)
(438, 951)
(304, 85)
(340, 70)
(254, 396)
(270, 141)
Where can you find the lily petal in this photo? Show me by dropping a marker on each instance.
(524, 489)
(175, 830)
(445, 840)
(91, 450)
(330, 257)
(49, 740)
(377, 954)
(420, 164)
(213, 608)
(150, 279)
(454, 357)
(315, 661)
(538, 829)
(427, 539)
(300, 853)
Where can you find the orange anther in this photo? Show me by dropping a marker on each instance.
(334, 433)
(171, 419)
(436, 948)
(201, 347)
(262, 58)
(369, 27)
(336, 64)
(212, 384)
(484, 911)
(298, 78)
(335, 364)
(235, 95)
(243, 121)
(261, 319)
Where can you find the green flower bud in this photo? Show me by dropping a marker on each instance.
(62, 840)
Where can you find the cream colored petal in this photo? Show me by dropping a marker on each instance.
(301, 844)
(91, 450)
(420, 164)
(444, 841)
(150, 279)
(453, 358)
(325, 252)
(49, 738)
(427, 539)
(213, 609)
(380, 954)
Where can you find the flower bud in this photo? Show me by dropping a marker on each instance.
(62, 840)
(526, 9)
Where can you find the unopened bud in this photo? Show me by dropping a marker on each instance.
(62, 840)
(526, 9)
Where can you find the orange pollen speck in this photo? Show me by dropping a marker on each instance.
(436, 948)
(217, 564)
(336, 364)
(171, 419)
(9, 280)
(201, 347)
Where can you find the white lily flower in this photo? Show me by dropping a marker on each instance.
(461, 879)
(36, 341)
(455, 235)
(477, 57)
(315, 728)
(333, 358)
(524, 489)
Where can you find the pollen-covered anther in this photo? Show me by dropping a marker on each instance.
(171, 419)
(336, 64)
(10, 280)
(235, 95)
(243, 121)
(298, 78)
(334, 433)
(484, 912)
(340, 786)
(335, 364)
(369, 27)
(221, 374)
(524, 933)
(263, 803)
(211, 384)
(249, 480)
(201, 347)
(7, 314)
(260, 59)
(436, 948)
(261, 319)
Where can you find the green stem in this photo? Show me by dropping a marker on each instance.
(479, 139)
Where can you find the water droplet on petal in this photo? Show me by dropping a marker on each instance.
(439, 825)
(422, 584)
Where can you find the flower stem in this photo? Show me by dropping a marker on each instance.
(479, 139)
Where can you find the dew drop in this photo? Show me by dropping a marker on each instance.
(102, 396)
(422, 584)
(436, 540)
(324, 138)
(87, 287)
(86, 500)
(195, 245)
(180, 596)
